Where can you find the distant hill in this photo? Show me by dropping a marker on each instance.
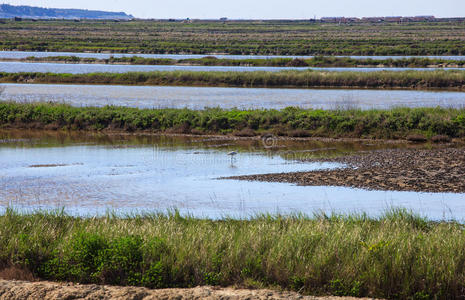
(11, 11)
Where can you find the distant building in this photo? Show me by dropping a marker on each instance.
(393, 19)
(373, 19)
(223, 19)
(424, 18)
(398, 19)
(339, 20)
(330, 19)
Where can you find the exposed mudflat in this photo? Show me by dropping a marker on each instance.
(48, 290)
(435, 170)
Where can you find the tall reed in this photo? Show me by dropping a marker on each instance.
(439, 79)
(396, 256)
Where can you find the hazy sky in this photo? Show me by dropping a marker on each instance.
(261, 9)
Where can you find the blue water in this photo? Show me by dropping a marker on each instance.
(14, 67)
(244, 98)
(24, 54)
(93, 178)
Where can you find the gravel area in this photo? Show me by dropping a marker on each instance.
(420, 170)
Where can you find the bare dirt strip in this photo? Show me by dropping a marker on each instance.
(24, 290)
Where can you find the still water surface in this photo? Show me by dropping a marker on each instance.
(25, 54)
(15, 67)
(244, 98)
(94, 175)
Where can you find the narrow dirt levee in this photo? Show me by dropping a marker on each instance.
(11, 289)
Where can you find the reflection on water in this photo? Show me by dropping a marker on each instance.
(93, 174)
(14, 67)
(243, 98)
(25, 54)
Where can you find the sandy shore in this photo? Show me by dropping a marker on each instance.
(435, 170)
(11, 289)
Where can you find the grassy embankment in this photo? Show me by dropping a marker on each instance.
(394, 124)
(438, 79)
(318, 61)
(236, 37)
(397, 256)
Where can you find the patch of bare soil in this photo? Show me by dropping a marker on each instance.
(12, 290)
(48, 166)
(435, 170)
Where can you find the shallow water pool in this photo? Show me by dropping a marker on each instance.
(125, 174)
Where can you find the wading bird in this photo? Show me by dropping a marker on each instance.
(232, 154)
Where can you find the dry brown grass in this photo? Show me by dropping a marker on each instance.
(16, 273)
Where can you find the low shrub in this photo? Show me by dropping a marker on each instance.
(396, 256)
(414, 124)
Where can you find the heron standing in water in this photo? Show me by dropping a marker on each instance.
(232, 154)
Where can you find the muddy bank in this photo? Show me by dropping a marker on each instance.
(12, 290)
(435, 170)
(28, 133)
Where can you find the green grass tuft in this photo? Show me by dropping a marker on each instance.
(398, 255)
(392, 124)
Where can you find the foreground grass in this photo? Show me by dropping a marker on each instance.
(393, 124)
(398, 255)
(438, 79)
(318, 61)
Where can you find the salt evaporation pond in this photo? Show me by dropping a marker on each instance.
(243, 98)
(88, 175)
(25, 54)
(16, 67)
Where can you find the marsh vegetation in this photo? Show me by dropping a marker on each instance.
(241, 37)
(398, 255)
(439, 79)
(392, 124)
